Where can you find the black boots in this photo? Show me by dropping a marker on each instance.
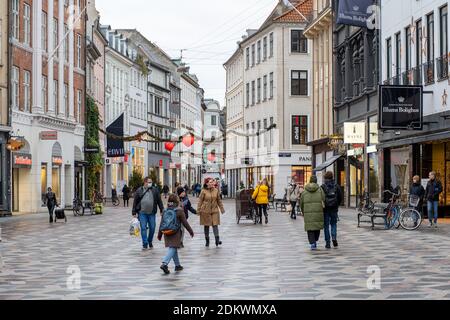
(267, 219)
(218, 242)
(51, 219)
(207, 241)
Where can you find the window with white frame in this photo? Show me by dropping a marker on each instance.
(27, 24)
(299, 83)
(271, 85)
(44, 93)
(55, 35)
(55, 95)
(79, 102)
(265, 88)
(271, 45)
(15, 19)
(264, 48)
(259, 91)
(66, 100)
(15, 87)
(78, 51)
(299, 43)
(26, 91)
(44, 31)
(66, 44)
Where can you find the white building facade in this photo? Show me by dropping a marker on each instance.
(277, 89)
(235, 142)
(213, 138)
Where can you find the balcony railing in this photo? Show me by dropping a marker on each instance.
(442, 68)
(407, 78)
(417, 74)
(428, 72)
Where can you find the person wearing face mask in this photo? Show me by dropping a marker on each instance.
(146, 203)
(209, 208)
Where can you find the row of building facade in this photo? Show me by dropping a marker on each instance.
(55, 54)
(342, 66)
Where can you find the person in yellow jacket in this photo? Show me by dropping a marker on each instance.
(261, 196)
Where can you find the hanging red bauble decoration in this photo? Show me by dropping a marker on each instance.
(188, 140)
(211, 157)
(169, 146)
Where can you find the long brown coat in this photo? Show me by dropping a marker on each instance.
(209, 207)
(174, 241)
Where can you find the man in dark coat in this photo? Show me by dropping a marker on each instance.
(333, 199)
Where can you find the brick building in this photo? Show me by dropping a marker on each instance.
(47, 98)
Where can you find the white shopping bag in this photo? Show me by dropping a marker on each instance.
(135, 228)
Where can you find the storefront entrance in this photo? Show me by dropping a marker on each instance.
(301, 174)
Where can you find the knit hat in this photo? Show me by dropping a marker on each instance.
(180, 190)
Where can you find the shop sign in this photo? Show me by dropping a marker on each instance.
(401, 108)
(285, 155)
(354, 132)
(372, 149)
(305, 159)
(48, 135)
(57, 160)
(247, 161)
(91, 149)
(22, 160)
(355, 12)
(297, 123)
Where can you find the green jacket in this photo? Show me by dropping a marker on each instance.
(311, 203)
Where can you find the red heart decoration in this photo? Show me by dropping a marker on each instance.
(169, 146)
(188, 140)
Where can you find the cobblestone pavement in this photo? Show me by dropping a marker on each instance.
(256, 262)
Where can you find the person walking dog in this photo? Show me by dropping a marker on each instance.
(333, 199)
(261, 196)
(172, 221)
(209, 208)
(145, 205)
(312, 205)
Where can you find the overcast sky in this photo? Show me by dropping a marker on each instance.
(208, 29)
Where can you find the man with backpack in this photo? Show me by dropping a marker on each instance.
(147, 200)
(333, 199)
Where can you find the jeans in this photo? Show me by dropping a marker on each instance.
(172, 254)
(313, 236)
(331, 219)
(433, 211)
(150, 221)
(294, 209)
(51, 209)
(262, 208)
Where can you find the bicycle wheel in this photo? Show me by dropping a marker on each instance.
(116, 202)
(392, 218)
(410, 219)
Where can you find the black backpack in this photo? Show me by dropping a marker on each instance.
(331, 196)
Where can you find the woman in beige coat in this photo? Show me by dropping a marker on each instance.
(209, 208)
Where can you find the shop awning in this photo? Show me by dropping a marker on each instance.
(328, 163)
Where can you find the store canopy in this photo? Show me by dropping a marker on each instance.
(328, 163)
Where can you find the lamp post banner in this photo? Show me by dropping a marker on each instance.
(401, 108)
(115, 147)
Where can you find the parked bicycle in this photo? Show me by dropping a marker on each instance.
(408, 217)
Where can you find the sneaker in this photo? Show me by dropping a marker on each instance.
(328, 245)
(165, 268)
(144, 248)
(314, 247)
(179, 268)
(267, 220)
(150, 246)
(335, 243)
(435, 225)
(430, 225)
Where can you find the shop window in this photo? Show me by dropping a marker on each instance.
(301, 174)
(43, 183)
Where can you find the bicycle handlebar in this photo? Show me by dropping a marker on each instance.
(392, 193)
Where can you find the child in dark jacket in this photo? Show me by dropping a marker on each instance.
(175, 241)
(185, 202)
